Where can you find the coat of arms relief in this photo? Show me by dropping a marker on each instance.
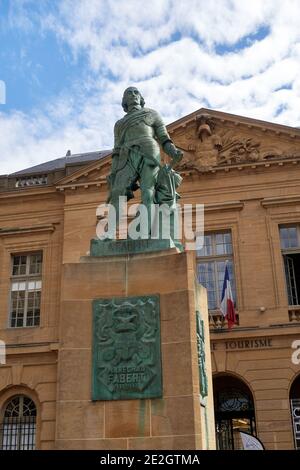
(209, 142)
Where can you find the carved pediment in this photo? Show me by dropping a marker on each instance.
(92, 174)
(209, 140)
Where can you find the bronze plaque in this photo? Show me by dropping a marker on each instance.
(126, 348)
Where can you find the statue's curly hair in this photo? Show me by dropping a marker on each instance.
(124, 104)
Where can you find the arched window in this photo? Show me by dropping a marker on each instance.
(295, 410)
(18, 426)
(234, 411)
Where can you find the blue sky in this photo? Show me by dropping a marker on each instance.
(35, 65)
(65, 63)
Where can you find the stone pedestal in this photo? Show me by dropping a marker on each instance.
(180, 418)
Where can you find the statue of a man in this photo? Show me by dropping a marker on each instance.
(136, 153)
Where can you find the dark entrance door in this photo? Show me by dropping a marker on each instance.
(295, 410)
(234, 412)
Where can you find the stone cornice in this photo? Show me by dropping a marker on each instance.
(33, 348)
(54, 214)
(251, 123)
(100, 182)
(22, 192)
(216, 207)
(8, 231)
(278, 162)
(273, 331)
(221, 206)
(279, 201)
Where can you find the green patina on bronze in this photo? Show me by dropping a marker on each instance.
(126, 348)
(130, 247)
(136, 153)
(136, 158)
(203, 382)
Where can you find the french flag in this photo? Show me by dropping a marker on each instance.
(227, 302)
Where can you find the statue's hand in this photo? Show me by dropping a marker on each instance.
(173, 152)
(179, 155)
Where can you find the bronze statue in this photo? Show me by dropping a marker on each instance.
(136, 153)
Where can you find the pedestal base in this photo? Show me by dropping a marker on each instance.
(181, 418)
(131, 247)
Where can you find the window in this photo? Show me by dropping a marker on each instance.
(290, 248)
(18, 427)
(211, 260)
(26, 285)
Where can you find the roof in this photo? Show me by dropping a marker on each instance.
(236, 118)
(80, 158)
(61, 163)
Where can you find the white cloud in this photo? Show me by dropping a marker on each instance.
(169, 50)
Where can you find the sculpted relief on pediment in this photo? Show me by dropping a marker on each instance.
(207, 143)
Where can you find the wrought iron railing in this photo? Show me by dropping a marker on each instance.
(18, 433)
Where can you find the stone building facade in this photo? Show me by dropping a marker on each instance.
(246, 173)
